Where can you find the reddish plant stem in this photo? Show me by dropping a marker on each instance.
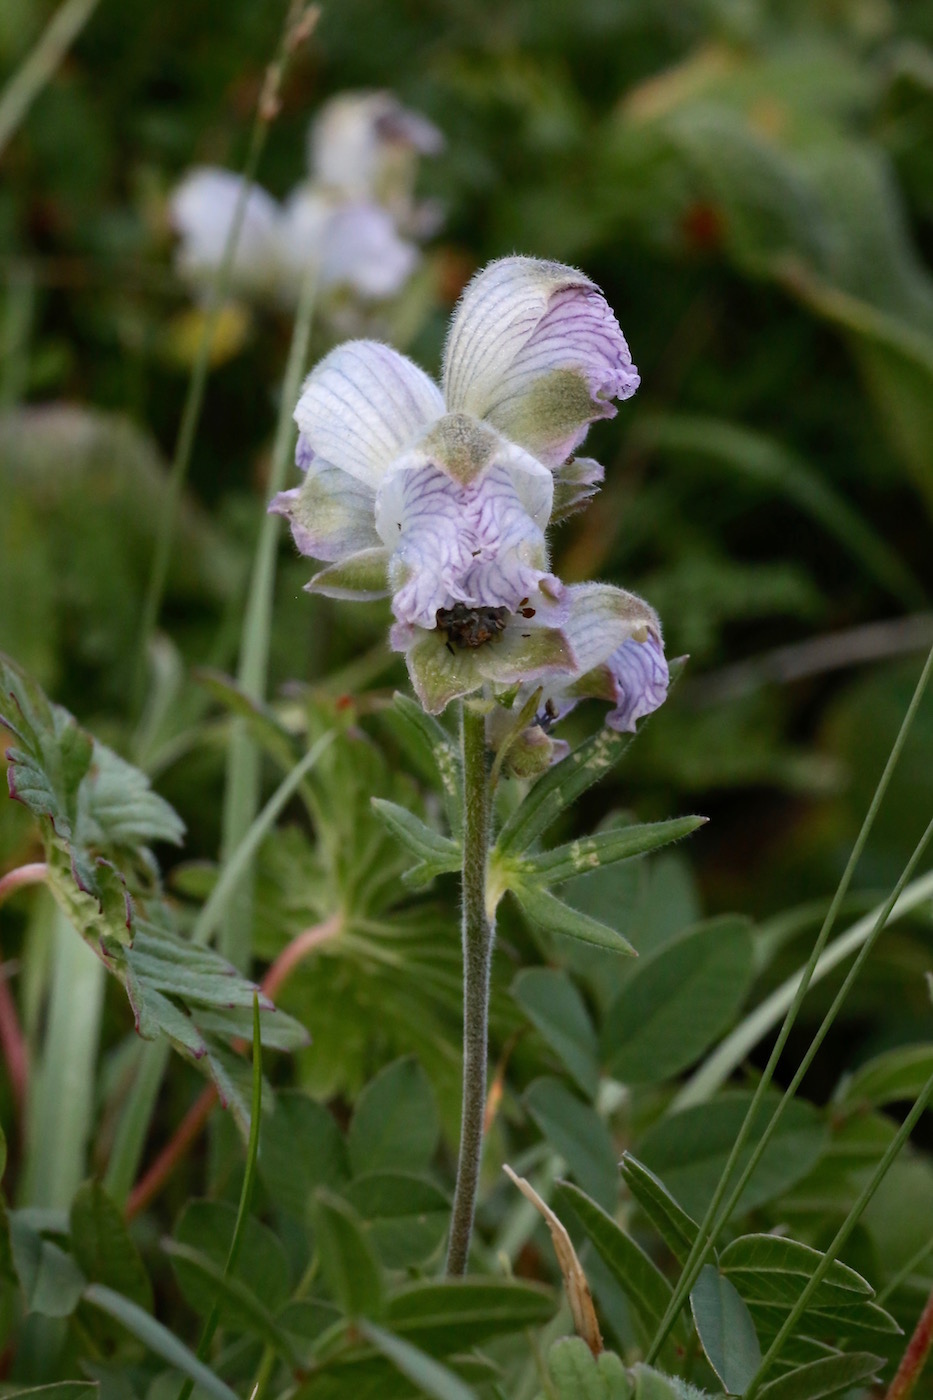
(918, 1349)
(190, 1127)
(12, 1040)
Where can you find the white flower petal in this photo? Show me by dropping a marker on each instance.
(479, 542)
(356, 134)
(535, 349)
(362, 404)
(352, 245)
(330, 513)
(202, 210)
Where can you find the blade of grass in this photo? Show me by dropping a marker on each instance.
(246, 1195)
(216, 904)
(265, 112)
(158, 1339)
(706, 1234)
(241, 796)
(61, 1110)
(840, 1238)
(38, 66)
(133, 1127)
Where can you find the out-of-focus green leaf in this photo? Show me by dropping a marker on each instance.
(443, 1318)
(677, 1001)
(103, 1247)
(233, 1297)
(302, 1149)
(206, 1228)
(726, 1330)
(348, 1261)
(157, 1339)
(407, 1215)
(577, 1132)
(558, 1011)
(689, 1149)
(428, 1375)
(395, 1126)
(50, 1279)
(892, 1077)
(579, 1375)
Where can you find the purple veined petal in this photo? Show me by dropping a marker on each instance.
(535, 349)
(362, 404)
(201, 210)
(454, 542)
(640, 680)
(330, 513)
(602, 618)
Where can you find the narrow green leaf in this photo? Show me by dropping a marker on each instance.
(577, 1132)
(157, 1339)
(559, 788)
(893, 1077)
(677, 1000)
(429, 745)
(395, 1126)
(241, 1307)
(458, 1314)
(605, 848)
(640, 1279)
(726, 1331)
(103, 1246)
(677, 1229)
(557, 1010)
(348, 1260)
(438, 853)
(546, 910)
(428, 1375)
(262, 722)
(762, 1257)
(824, 1377)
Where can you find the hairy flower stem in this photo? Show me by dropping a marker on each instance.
(478, 934)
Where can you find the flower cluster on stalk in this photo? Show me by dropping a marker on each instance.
(440, 497)
(354, 217)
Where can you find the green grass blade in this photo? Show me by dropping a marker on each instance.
(158, 1339)
(133, 1126)
(707, 1234)
(241, 795)
(33, 74)
(220, 896)
(246, 1195)
(61, 1112)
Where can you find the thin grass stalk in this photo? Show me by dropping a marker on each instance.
(241, 795)
(39, 65)
(197, 382)
(705, 1235)
(246, 1194)
(840, 1238)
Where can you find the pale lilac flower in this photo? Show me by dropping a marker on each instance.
(201, 211)
(442, 499)
(366, 145)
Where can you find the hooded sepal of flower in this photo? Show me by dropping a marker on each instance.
(619, 657)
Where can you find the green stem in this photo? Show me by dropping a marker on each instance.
(478, 934)
(714, 1217)
(241, 797)
(32, 75)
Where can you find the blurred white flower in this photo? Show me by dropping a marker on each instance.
(354, 220)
